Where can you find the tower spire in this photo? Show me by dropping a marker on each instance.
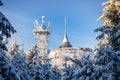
(65, 42)
(65, 26)
(65, 33)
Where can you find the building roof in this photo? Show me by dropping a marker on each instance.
(65, 42)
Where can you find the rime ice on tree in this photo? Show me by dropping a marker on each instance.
(42, 33)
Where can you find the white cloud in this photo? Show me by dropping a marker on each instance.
(15, 15)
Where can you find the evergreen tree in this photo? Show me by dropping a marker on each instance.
(38, 70)
(57, 73)
(13, 49)
(47, 71)
(7, 70)
(107, 59)
(82, 70)
(67, 72)
(5, 29)
(30, 55)
(1, 4)
(17, 58)
(111, 25)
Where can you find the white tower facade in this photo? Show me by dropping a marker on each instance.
(42, 34)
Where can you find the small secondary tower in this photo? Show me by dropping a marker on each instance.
(42, 33)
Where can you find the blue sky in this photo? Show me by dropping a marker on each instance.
(81, 16)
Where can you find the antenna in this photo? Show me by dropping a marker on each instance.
(65, 26)
(65, 33)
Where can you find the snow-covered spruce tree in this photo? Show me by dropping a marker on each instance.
(7, 70)
(5, 29)
(31, 55)
(38, 70)
(57, 73)
(12, 50)
(17, 57)
(35, 66)
(111, 25)
(67, 72)
(82, 70)
(107, 57)
(47, 70)
(1, 4)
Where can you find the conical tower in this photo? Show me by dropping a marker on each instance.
(65, 42)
